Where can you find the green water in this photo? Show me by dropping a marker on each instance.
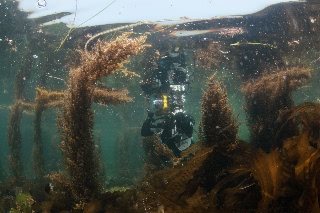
(293, 30)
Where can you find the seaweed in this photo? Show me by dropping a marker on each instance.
(265, 98)
(184, 188)
(303, 152)
(157, 155)
(44, 99)
(15, 140)
(14, 137)
(217, 121)
(168, 188)
(283, 180)
(76, 122)
(273, 173)
(208, 55)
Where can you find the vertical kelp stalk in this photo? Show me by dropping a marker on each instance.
(265, 98)
(15, 141)
(78, 119)
(217, 121)
(38, 159)
(13, 131)
(44, 100)
(77, 135)
(218, 131)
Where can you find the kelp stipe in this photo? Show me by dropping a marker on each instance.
(265, 97)
(218, 124)
(44, 99)
(14, 137)
(77, 117)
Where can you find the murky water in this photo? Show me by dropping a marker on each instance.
(184, 114)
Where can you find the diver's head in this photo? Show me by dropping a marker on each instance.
(175, 52)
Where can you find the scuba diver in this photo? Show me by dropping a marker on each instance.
(165, 91)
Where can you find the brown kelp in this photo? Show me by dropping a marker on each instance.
(283, 180)
(110, 96)
(76, 122)
(13, 132)
(265, 97)
(44, 99)
(217, 122)
(157, 155)
(185, 187)
(167, 187)
(303, 153)
(288, 176)
(224, 174)
(15, 140)
(241, 174)
(273, 174)
(208, 55)
(218, 130)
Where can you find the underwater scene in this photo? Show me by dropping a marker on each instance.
(175, 107)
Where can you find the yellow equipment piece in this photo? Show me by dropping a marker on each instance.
(165, 102)
(252, 43)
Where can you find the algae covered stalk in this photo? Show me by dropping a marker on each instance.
(77, 119)
(14, 137)
(217, 122)
(15, 140)
(265, 97)
(44, 99)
